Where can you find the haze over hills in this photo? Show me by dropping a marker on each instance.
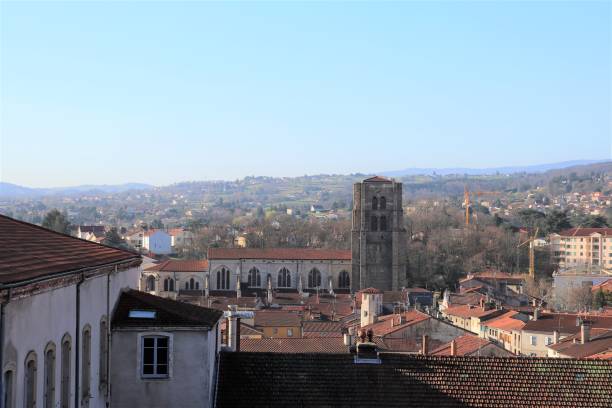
(537, 168)
(9, 190)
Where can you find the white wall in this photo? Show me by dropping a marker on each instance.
(32, 322)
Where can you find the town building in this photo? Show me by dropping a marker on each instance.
(94, 233)
(157, 242)
(470, 345)
(164, 352)
(583, 247)
(56, 295)
(175, 276)
(278, 323)
(471, 317)
(378, 237)
(505, 330)
(588, 343)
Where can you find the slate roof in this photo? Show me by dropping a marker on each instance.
(294, 345)
(179, 265)
(168, 312)
(28, 251)
(307, 254)
(335, 380)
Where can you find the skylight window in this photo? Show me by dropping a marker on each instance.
(142, 314)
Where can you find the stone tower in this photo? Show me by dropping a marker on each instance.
(378, 237)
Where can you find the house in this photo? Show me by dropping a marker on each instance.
(175, 276)
(376, 379)
(93, 233)
(505, 330)
(56, 295)
(157, 242)
(278, 324)
(470, 317)
(180, 237)
(164, 352)
(588, 343)
(470, 345)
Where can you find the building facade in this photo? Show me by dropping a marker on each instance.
(173, 277)
(378, 235)
(583, 247)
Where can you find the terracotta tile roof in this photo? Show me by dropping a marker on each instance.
(245, 329)
(465, 298)
(585, 232)
(307, 254)
(384, 327)
(294, 345)
(314, 326)
(508, 321)
(265, 318)
(571, 346)
(377, 179)
(492, 275)
(321, 334)
(605, 286)
(465, 345)
(606, 355)
(400, 380)
(180, 265)
(28, 251)
(564, 323)
(168, 312)
(466, 311)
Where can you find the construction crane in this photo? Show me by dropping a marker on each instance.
(467, 202)
(531, 243)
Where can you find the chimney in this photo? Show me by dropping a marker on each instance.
(232, 330)
(348, 337)
(585, 333)
(269, 290)
(555, 337)
(366, 351)
(206, 286)
(425, 345)
(238, 291)
(453, 348)
(536, 313)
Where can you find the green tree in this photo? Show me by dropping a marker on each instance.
(56, 221)
(112, 238)
(156, 224)
(557, 221)
(599, 300)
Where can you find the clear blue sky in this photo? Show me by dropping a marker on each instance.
(165, 92)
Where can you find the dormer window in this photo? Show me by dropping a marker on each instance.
(142, 314)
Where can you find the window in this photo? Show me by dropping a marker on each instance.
(533, 340)
(8, 389)
(547, 341)
(65, 373)
(151, 283)
(373, 223)
(86, 364)
(374, 203)
(155, 357)
(254, 278)
(30, 380)
(284, 278)
(383, 223)
(192, 284)
(223, 278)
(383, 203)
(168, 285)
(103, 352)
(289, 332)
(344, 281)
(49, 400)
(314, 278)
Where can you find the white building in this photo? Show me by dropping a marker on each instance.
(583, 247)
(287, 268)
(56, 295)
(158, 242)
(170, 277)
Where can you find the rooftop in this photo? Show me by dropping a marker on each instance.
(384, 326)
(295, 345)
(565, 323)
(511, 320)
(28, 251)
(377, 179)
(279, 318)
(180, 265)
(306, 254)
(466, 311)
(167, 312)
(585, 232)
(400, 380)
(600, 342)
(465, 345)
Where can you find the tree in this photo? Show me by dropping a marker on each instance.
(156, 224)
(557, 221)
(57, 221)
(112, 238)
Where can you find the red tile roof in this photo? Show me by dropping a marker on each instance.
(565, 323)
(180, 265)
(465, 345)
(307, 254)
(316, 326)
(466, 311)
(507, 321)
(281, 318)
(28, 251)
(384, 324)
(294, 345)
(605, 286)
(571, 346)
(585, 232)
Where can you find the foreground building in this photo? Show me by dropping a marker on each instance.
(56, 294)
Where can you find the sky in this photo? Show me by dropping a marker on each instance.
(162, 92)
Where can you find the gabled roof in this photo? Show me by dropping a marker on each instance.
(465, 345)
(28, 251)
(377, 179)
(179, 265)
(571, 346)
(466, 311)
(306, 254)
(400, 380)
(294, 345)
(585, 232)
(508, 321)
(168, 312)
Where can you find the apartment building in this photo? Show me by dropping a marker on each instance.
(583, 247)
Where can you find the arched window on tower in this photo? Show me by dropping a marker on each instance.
(284, 278)
(314, 278)
(373, 223)
(223, 278)
(344, 281)
(383, 203)
(383, 223)
(374, 203)
(150, 283)
(254, 278)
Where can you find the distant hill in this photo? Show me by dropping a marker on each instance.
(538, 168)
(14, 190)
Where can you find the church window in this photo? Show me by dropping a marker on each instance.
(383, 203)
(284, 278)
(168, 285)
(344, 281)
(151, 283)
(374, 203)
(314, 278)
(373, 223)
(254, 278)
(30, 380)
(223, 278)
(383, 223)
